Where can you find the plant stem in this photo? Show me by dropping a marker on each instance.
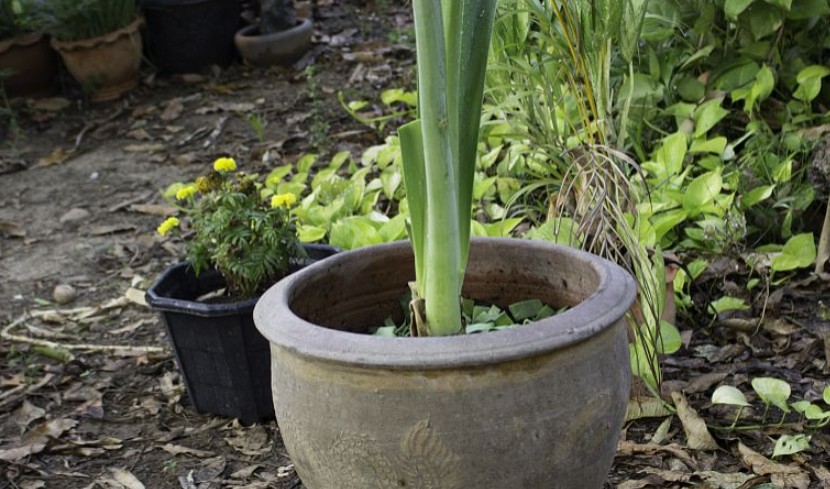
(442, 250)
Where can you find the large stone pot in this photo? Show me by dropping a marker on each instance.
(280, 48)
(538, 406)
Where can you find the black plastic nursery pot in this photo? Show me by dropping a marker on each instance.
(224, 360)
(187, 36)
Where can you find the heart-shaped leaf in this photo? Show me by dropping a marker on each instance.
(726, 394)
(790, 444)
(772, 391)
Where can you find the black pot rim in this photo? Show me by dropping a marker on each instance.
(614, 295)
(157, 300)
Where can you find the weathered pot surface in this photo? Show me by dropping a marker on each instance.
(538, 406)
(32, 63)
(279, 48)
(107, 66)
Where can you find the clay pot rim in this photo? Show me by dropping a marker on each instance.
(110, 38)
(247, 32)
(21, 41)
(603, 308)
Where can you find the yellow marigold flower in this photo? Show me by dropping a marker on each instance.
(167, 225)
(224, 164)
(186, 191)
(287, 199)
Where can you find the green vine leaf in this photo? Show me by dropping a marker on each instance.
(790, 444)
(773, 391)
(727, 394)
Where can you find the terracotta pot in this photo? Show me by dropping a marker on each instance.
(33, 63)
(280, 48)
(538, 406)
(106, 66)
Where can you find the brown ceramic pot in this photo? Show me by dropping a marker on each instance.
(537, 406)
(33, 65)
(106, 66)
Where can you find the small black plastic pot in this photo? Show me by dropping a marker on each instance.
(224, 360)
(187, 36)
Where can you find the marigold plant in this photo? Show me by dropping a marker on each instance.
(237, 227)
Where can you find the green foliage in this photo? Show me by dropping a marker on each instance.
(74, 20)
(397, 104)
(15, 18)
(239, 227)
(724, 91)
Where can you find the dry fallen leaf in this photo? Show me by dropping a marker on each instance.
(251, 441)
(25, 414)
(785, 476)
(697, 435)
(182, 450)
(35, 440)
(172, 110)
(126, 478)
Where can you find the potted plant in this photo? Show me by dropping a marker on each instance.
(187, 36)
(448, 410)
(27, 64)
(242, 240)
(99, 41)
(278, 39)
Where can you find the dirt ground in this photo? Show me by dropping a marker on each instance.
(89, 391)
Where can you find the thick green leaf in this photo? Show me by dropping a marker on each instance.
(525, 309)
(758, 194)
(727, 303)
(670, 340)
(798, 252)
(772, 391)
(784, 4)
(790, 444)
(727, 394)
(733, 8)
(764, 19)
(672, 153)
(815, 413)
(826, 395)
(716, 145)
(804, 9)
(414, 179)
(708, 115)
(561, 230)
(701, 192)
(310, 234)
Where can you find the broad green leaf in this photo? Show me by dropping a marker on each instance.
(784, 4)
(809, 82)
(715, 145)
(764, 19)
(691, 89)
(790, 444)
(815, 413)
(772, 391)
(354, 232)
(727, 394)
(826, 395)
(758, 194)
(733, 8)
(804, 9)
(701, 192)
(393, 95)
(801, 406)
(501, 228)
(701, 53)
(783, 172)
(708, 115)
(391, 180)
(672, 153)
(305, 163)
(670, 340)
(798, 252)
(561, 230)
(393, 229)
(481, 186)
(727, 303)
(525, 309)
(667, 221)
(277, 174)
(310, 234)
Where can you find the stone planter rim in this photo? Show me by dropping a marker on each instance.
(109, 38)
(252, 31)
(609, 302)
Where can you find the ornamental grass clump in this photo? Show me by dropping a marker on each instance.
(237, 226)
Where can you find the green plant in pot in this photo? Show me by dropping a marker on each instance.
(279, 38)
(27, 63)
(356, 410)
(240, 240)
(99, 41)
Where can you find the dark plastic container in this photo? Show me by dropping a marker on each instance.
(187, 36)
(224, 360)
